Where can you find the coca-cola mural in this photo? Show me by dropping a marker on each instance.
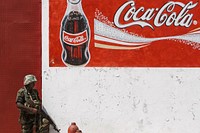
(112, 66)
(125, 33)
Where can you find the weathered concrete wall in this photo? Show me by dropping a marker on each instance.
(116, 100)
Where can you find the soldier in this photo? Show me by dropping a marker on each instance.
(27, 101)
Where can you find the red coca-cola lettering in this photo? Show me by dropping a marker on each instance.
(75, 39)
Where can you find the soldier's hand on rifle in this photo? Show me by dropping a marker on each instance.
(33, 110)
(31, 103)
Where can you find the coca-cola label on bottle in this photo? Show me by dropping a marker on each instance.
(75, 39)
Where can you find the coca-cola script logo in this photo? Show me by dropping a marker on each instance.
(75, 39)
(164, 15)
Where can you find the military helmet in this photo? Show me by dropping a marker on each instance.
(29, 79)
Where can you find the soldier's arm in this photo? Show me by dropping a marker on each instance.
(25, 108)
(20, 103)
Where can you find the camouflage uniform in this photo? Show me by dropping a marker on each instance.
(28, 119)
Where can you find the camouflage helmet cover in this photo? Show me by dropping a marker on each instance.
(29, 79)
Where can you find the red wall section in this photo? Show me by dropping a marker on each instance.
(20, 54)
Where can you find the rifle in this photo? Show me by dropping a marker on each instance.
(41, 112)
(45, 115)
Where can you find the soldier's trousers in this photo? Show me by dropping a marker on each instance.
(28, 128)
(28, 123)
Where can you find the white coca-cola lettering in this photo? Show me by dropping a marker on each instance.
(182, 18)
(75, 39)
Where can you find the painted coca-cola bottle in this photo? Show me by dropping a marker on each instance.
(75, 35)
